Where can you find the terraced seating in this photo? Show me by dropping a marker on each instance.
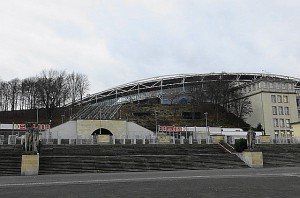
(56, 159)
(10, 159)
(97, 111)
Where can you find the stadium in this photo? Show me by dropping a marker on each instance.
(99, 138)
(274, 100)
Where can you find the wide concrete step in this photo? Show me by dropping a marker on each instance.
(10, 166)
(110, 150)
(67, 164)
(280, 155)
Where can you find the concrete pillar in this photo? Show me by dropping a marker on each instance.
(191, 140)
(144, 140)
(30, 165)
(59, 140)
(113, 139)
(11, 139)
(22, 140)
(181, 139)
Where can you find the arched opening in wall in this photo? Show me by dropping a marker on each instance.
(103, 131)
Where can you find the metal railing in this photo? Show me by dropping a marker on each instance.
(137, 139)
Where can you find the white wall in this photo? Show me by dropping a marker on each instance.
(64, 131)
(135, 129)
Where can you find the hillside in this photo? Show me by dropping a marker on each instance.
(179, 115)
(142, 114)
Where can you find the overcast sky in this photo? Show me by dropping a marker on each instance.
(118, 41)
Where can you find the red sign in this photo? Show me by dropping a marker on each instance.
(41, 126)
(23, 126)
(170, 128)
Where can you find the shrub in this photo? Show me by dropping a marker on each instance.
(240, 145)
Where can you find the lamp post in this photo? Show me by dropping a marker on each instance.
(206, 124)
(155, 122)
(100, 118)
(37, 115)
(62, 118)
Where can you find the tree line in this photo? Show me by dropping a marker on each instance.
(223, 93)
(49, 89)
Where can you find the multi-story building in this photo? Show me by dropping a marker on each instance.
(274, 103)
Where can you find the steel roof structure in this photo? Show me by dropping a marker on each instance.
(151, 87)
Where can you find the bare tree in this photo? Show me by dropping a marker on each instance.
(30, 92)
(13, 89)
(83, 85)
(77, 86)
(50, 85)
(49, 89)
(240, 105)
(197, 93)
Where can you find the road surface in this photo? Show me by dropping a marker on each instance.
(267, 182)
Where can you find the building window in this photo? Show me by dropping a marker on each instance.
(265, 85)
(298, 113)
(273, 98)
(287, 122)
(271, 85)
(277, 85)
(283, 86)
(298, 102)
(285, 99)
(280, 110)
(286, 111)
(281, 122)
(275, 122)
(279, 99)
(274, 110)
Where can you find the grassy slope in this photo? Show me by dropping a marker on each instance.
(143, 114)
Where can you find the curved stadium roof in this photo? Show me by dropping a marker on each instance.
(174, 81)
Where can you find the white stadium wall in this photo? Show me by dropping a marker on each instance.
(137, 130)
(64, 131)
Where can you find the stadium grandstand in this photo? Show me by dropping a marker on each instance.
(105, 104)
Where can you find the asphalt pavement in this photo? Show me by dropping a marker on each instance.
(265, 182)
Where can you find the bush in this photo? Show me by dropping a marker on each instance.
(240, 145)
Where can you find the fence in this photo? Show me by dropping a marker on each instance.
(126, 139)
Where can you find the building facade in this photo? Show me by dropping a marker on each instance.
(275, 105)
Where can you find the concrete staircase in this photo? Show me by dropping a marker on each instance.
(56, 159)
(10, 159)
(280, 155)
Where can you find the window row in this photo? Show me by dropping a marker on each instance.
(281, 122)
(267, 85)
(279, 99)
(280, 110)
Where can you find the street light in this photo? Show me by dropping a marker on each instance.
(206, 123)
(155, 122)
(37, 115)
(100, 117)
(62, 118)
